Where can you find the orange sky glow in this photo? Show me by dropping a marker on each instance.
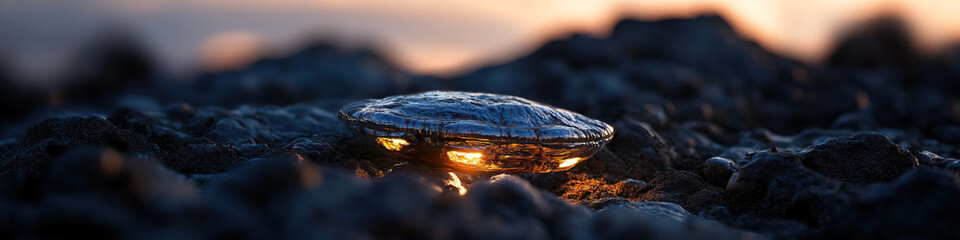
(449, 37)
(799, 29)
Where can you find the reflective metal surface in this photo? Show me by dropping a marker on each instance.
(477, 132)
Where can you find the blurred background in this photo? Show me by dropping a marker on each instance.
(39, 39)
(94, 54)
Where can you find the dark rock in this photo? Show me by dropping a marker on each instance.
(115, 60)
(684, 188)
(769, 182)
(606, 163)
(330, 152)
(661, 209)
(234, 131)
(862, 158)
(927, 158)
(916, 205)
(691, 147)
(513, 198)
(52, 137)
(321, 71)
(84, 130)
(83, 171)
(643, 152)
(201, 156)
(650, 221)
(250, 182)
(717, 171)
(651, 113)
(883, 42)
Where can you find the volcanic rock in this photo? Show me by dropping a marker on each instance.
(862, 158)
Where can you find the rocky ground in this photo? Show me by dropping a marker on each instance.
(715, 139)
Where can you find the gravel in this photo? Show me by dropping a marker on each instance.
(716, 138)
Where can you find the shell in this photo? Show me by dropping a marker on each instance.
(477, 132)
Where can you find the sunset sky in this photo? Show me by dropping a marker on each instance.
(426, 36)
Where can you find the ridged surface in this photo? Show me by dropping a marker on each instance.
(476, 115)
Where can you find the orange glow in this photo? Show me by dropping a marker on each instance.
(468, 158)
(569, 162)
(863, 100)
(449, 37)
(310, 176)
(455, 181)
(503, 29)
(230, 50)
(393, 144)
(111, 161)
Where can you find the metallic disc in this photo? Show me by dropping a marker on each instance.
(477, 132)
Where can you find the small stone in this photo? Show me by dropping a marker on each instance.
(660, 209)
(717, 171)
(928, 158)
